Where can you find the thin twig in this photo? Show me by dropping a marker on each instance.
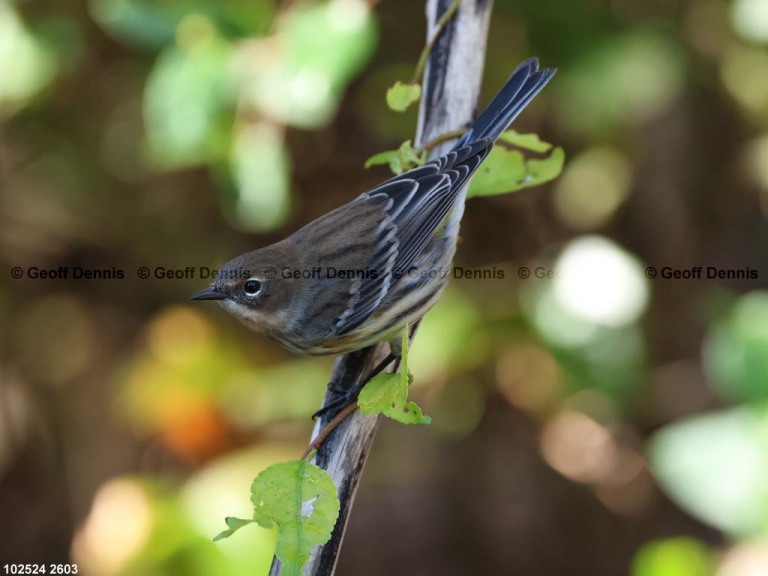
(441, 24)
(440, 139)
(330, 427)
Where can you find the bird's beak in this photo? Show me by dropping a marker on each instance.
(209, 294)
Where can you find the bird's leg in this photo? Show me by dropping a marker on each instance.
(350, 395)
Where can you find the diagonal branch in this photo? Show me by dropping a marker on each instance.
(449, 101)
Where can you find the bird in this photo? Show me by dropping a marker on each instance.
(361, 273)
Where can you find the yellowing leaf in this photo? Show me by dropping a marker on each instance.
(401, 96)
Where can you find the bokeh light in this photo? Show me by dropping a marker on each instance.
(593, 186)
(118, 526)
(600, 283)
(750, 19)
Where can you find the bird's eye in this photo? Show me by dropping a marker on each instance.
(252, 288)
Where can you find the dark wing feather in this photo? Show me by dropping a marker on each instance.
(369, 242)
(417, 202)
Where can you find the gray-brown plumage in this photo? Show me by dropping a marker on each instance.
(359, 274)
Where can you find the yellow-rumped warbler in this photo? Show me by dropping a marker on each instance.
(359, 274)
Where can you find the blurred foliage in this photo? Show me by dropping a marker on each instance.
(229, 77)
(734, 351)
(628, 78)
(587, 418)
(29, 63)
(673, 557)
(685, 455)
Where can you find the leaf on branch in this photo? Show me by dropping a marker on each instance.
(401, 96)
(412, 414)
(234, 525)
(380, 394)
(411, 156)
(388, 394)
(391, 157)
(400, 160)
(301, 500)
(507, 171)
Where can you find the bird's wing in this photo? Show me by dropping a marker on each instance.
(412, 205)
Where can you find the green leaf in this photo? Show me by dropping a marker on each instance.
(380, 394)
(410, 156)
(388, 393)
(234, 525)
(526, 141)
(716, 467)
(400, 160)
(401, 96)
(545, 170)
(390, 157)
(507, 171)
(412, 414)
(501, 172)
(301, 500)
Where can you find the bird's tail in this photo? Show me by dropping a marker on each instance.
(522, 87)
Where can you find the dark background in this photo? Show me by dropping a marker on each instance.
(598, 422)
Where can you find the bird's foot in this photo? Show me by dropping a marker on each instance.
(348, 396)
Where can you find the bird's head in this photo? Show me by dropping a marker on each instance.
(256, 288)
